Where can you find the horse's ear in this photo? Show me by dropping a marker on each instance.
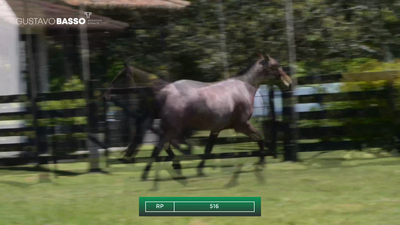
(260, 56)
(127, 67)
(272, 62)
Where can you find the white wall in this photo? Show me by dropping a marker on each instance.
(10, 77)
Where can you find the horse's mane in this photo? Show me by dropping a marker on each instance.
(148, 70)
(243, 71)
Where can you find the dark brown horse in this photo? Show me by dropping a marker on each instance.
(227, 104)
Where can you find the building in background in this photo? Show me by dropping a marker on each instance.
(11, 80)
(14, 62)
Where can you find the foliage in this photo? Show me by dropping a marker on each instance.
(331, 36)
(372, 65)
(369, 125)
(73, 84)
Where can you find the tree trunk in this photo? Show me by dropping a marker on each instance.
(224, 54)
(290, 141)
(66, 58)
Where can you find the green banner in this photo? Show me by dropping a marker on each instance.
(199, 206)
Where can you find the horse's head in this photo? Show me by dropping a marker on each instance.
(272, 72)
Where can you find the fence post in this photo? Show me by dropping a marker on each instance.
(289, 124)
(41, 141)
(273, 128)
(392, 98)
(53, 142)
(106, 131)
(41, 133)
(92, 127)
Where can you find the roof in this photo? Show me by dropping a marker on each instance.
(45, 10)
(172, 4)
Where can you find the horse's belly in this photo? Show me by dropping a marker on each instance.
(208, 120)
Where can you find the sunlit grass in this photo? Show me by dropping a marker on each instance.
(335, 188)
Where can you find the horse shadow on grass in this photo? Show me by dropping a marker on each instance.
(40, 169)
(176, 175)
(338, 162)
(27, 185)
(17, 184)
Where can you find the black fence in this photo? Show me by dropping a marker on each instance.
(62, 129)
(339, 134)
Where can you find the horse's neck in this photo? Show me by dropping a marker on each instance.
(251, 77)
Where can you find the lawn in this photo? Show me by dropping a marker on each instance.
(335, 188)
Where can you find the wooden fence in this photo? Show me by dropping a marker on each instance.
(327, 137)
(23, 141)
(32, 143)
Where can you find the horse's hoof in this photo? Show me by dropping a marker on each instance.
(154, 189)
(180, 178)
(177, 166)
(261, 163)
(231, 184)
(186, 152)
(124, 152)
(144, 177)
(127, 158)
(178, 172)
(127, 154)
(200, 173)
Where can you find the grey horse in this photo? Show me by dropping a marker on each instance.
(227, 104)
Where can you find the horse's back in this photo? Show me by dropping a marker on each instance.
(184, 84)
(221, 105)
(214, 107)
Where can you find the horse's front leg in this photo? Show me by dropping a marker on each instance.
(210, 144)
(175, 163)
(142, 125)
(156, 152)
(255, 135)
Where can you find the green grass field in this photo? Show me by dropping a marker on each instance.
(333, 188)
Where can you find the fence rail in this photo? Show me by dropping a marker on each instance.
(326, 134)
(318, 137)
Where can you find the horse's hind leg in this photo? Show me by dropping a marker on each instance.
(210, 144)
(255, 135)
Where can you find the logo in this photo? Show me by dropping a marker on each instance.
(92, 21)
(88, 14)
